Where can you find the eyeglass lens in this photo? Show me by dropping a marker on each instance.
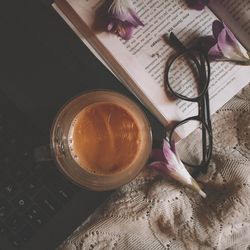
(190, 150)
(185, 75)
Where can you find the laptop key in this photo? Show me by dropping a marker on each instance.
(16, 241)
(19, 172)
(22, 168)
(3, 231)
(26, 233)
(49, 204)
(61, 190)
(5, 209)
(4, 160)
(3, 176)
(32, 185)
(21, 202)
(26, 159)
(8, 161)
(12, 144)
(36, 217)
(40, 169)
(15, 222)
(9, 189)
(64, 194)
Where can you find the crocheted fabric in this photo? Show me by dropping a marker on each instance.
(154, 213)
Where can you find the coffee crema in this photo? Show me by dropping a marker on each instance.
(104, 138)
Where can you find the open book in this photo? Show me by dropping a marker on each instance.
(140, 62)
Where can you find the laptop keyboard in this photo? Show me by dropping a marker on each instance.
(31, 192)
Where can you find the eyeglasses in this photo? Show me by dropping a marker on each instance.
(187, 77)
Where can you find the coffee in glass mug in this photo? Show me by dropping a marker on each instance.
(101, 140)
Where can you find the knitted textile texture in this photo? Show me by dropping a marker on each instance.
(156, 213)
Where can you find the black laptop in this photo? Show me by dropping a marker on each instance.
(42, 65)
(39, 207)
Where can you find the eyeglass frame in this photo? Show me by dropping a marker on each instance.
(202, 100)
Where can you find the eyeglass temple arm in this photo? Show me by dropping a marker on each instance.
(205, 101)
(175, 42)
(204, 104)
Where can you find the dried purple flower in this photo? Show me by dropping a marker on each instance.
(118, 16)
(226, 46)
(168, 163)
(197, 4)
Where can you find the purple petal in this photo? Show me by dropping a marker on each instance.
(128, 18)
(125, 31)
(117, 17)
(168, 153)
(162, 167)
(122, 17)
(231, 35)
(226, 44)
(157, 155)
(230, 46)
(110, 25)
(217, 27)
(157, 165)
(135, 19)
(209, 42)
(173, 146)
(215, 52)
(232, 50)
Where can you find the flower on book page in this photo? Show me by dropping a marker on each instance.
(118, 16)
(197, 4)
(167, 162)
(224, 46)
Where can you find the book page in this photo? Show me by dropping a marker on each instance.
(236, 15)
(144, 56)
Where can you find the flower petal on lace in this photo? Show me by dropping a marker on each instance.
(160, 166)
(170, 156)
(169, 164)
(168, 153)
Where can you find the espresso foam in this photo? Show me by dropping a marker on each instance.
(104, 138)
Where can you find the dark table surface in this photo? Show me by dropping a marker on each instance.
(43, 64)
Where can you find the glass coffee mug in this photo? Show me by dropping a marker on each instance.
(101, 140)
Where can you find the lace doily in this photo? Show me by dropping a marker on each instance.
(154, 213)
